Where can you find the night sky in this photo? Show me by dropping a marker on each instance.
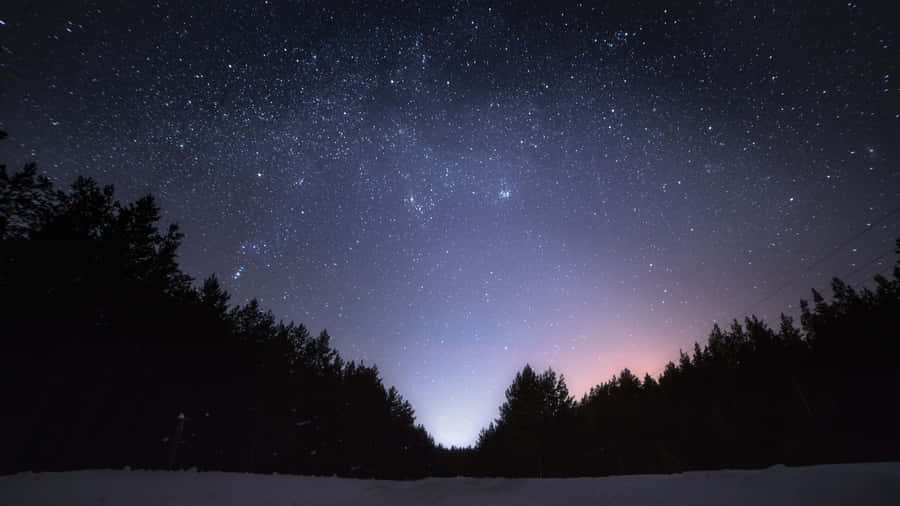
(453, 192)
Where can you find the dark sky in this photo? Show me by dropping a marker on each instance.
(455, 191)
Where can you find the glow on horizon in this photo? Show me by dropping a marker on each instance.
(457, 419)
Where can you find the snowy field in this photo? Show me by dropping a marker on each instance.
(848, 484)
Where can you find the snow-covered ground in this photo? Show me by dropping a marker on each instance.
(847, 484)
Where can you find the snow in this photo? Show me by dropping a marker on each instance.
(857, 484)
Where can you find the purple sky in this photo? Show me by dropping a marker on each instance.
(453, 192)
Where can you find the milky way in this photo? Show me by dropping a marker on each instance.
(455, 191)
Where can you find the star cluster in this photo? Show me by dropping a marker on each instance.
(453, 191)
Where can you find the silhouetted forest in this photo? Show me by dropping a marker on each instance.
(751, 397)
(112, 357)
(106, 343)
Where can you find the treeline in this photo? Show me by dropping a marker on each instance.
(751, 397)
(111, 357)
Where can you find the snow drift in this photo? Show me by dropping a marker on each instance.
(857, 484)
